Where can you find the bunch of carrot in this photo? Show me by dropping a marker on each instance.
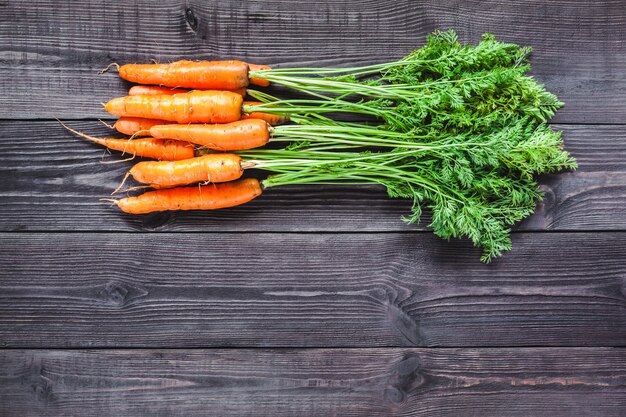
(189, 134)
(460, 129)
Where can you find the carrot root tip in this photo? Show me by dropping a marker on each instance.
(110, 200)
(106, 124)
(76, 132)
(112, 64)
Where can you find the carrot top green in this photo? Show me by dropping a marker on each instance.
(459, 129)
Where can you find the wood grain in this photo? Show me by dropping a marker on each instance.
(315, 382)
(51, 51)
(296, 304)
(51, 180)
(303, 290)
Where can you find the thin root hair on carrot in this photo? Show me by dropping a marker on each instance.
(106, 124)
(137, 187)
(81, 134)
(208, 180)
(115, 64)
(95, 140)
(175, 87)
(110, 200)
(122, 184)
(119, 160)
(126, 145)
(139, 132)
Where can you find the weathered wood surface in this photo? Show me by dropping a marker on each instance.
(298, 290)
(51, 51)
(50, 180)
(71, 276)
(315, 382)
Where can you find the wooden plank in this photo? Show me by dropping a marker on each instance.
(314, 382)
(301, 290)
(52, 51)
(51, 180)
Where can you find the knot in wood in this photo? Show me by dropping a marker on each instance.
(114, 293)
(190, 17)
(40, 385)
(394, 394)
(404, 377)
(42, 389)
(155, 220)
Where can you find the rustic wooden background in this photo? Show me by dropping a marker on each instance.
(310, 301)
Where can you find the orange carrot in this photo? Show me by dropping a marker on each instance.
(151, 90)
(205, 197)
(210, 75)
(272, 119)
(161, 149)
(136, 126)
(194, 107)
(219, 167)
(258, 81)
(235, 136)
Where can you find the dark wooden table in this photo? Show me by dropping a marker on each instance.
(310, 301)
